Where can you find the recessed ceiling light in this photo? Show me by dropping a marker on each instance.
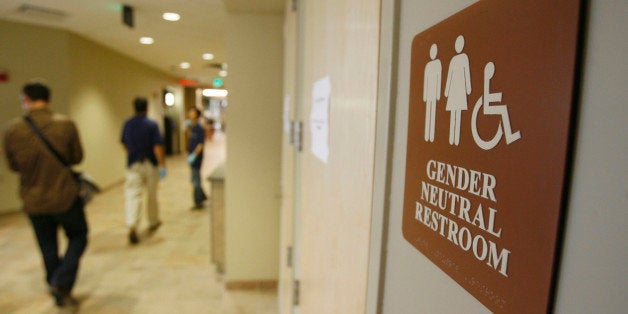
(222, 73)
(208, 56)
(171, 16)
(210, 92)
(185, 65)
(147, 40)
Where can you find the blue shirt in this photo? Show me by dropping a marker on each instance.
(197, 136)
(140, 135)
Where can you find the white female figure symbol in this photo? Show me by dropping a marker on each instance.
(431, 92)
(457, 88)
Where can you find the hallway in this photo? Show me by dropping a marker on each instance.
(169, 271)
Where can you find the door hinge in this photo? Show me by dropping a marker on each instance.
(289, 256)
(291, 133)
(296, 292)
(297, 135)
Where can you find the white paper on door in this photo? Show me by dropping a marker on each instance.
(319, 118)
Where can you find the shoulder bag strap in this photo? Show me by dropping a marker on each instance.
(48, 145)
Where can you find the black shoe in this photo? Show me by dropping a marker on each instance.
(63, 298)
(133, 239)
(154, 227)
(67, 301)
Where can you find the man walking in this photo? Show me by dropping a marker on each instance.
(144, 145)
(47, 188)
(196, 136)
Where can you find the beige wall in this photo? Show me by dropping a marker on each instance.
(592, 275)
(253, 124)
(22, 55)
(103, 85)
(92, 84)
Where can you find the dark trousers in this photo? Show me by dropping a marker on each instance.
(199, 194)
(61, 270)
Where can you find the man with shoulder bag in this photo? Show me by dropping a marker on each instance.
(49, 190)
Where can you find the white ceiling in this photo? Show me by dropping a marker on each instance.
(201, 28)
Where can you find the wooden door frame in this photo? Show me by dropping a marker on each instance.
(384, 140)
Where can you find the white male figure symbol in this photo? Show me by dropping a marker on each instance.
(457, 88)
(431, 92)
(485, 101)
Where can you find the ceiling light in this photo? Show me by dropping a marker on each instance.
(222, 73)
(184, 65)
(171, 16)
(210, 92)
(208, 56)
(147, 40)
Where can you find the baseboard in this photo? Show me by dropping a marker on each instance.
(251, 285)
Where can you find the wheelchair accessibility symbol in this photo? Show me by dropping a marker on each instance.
(485, 102)
(457, 89)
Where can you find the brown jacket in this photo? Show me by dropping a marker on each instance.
(46, 185)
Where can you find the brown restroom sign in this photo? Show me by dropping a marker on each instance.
(489, 126)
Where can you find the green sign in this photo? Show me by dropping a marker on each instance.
(217, 82)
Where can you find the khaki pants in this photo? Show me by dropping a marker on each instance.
(141, 177)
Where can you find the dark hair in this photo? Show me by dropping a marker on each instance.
(198, 112)
(141, 104)
(36, 91)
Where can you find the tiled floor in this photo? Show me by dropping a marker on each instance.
(167, 272)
